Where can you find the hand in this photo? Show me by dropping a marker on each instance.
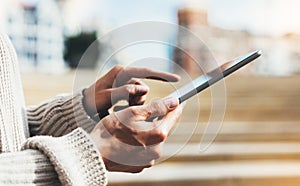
(121, 83)
(130, 143)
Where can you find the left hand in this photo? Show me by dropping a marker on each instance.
(128, 141)
(121, 83)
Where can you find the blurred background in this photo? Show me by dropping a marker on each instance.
(259, 141)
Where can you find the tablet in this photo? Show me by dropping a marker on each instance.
(208, 79)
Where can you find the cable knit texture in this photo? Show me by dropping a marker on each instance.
(59, 116)
(64, 155)
(74, 157)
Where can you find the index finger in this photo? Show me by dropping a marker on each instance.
(132, 72)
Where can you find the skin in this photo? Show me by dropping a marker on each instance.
(121, 83)
(130, 140)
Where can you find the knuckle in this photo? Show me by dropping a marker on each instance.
(130, 88)
(118, 68)
(159, 135)
(134, 81)
(158, 107)
(134, 111)
(155, 105)
(142, 111)
(156, 155)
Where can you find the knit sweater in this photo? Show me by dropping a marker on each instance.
(44, 144)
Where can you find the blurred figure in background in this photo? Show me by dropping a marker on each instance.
(36, 31)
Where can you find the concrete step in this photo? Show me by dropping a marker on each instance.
(239, 132)
(224, 151)
(242, 173)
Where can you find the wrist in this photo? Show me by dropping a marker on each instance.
(88, 105)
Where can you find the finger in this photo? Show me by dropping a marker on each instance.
(133, 89)
(108, 79)
(118, 167)
(128, 168)
(157, 108)
(137, 99)
(119, 108)
(108, 97)
(130, 72)
(128, 91)
(159, 130)
(170, 120)
(136, 82)
(138, 114)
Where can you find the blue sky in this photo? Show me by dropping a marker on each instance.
(268, 17)
(117, 12)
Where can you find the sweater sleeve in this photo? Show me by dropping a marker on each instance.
(59, 116)
(44, 160)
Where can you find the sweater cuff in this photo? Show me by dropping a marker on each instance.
(82, 118)
(74, 157)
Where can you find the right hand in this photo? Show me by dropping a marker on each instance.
(121, 83)
(128, 142)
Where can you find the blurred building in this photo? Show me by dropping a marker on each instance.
(281, 55)
(36, 30)
(190, 52)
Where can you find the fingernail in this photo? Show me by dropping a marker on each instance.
(171, 102)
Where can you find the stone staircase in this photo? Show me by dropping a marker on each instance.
(238, 141)
(255, 157)
(258, 144)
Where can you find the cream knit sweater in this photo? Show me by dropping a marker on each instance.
(43, 145)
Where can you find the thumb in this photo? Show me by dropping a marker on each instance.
(156, 108)
(134, 114)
